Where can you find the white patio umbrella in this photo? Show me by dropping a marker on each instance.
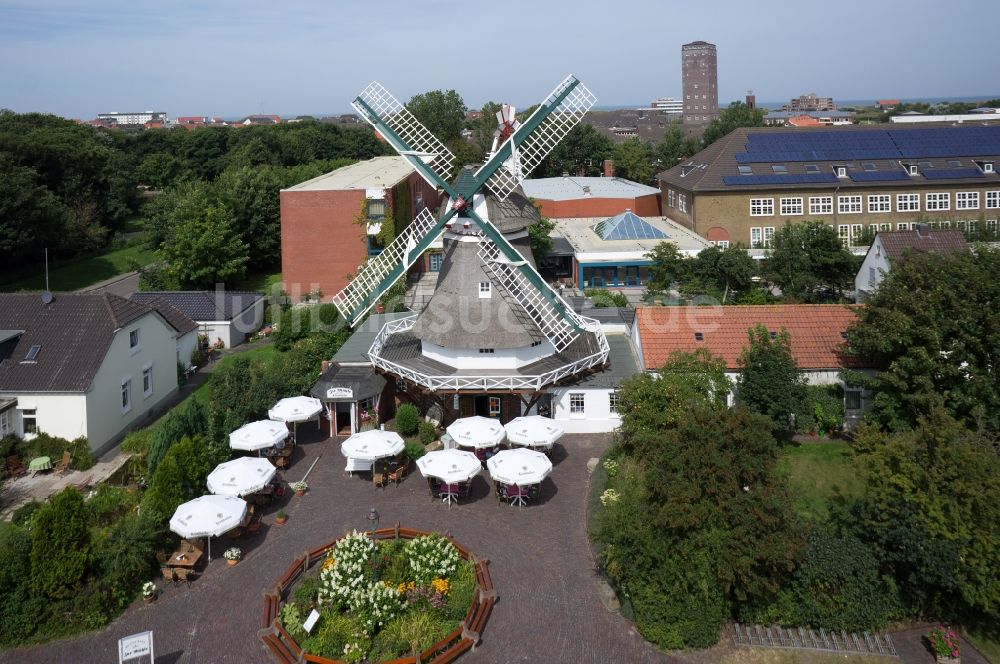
(258, 435)
(241, 476)
(295, 409)
(207, 516)
(450, 466)
(476, 431)
(533, 431)
(372, 445)
(519, 466)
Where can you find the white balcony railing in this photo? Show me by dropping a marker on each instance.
(458, 382)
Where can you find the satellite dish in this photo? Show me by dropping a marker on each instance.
(47, 297)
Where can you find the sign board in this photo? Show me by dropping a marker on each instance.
(311, 621)
(339, 393)
(135, 646)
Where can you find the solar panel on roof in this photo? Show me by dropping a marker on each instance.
(878, 176)
(952, 173)
(790, 178)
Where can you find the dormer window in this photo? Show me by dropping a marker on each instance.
(841, 171)
(985, 166)
(914, 169)
(774, 335)
(699, 336)
(485, 289)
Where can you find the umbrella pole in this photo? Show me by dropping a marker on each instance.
(209, 538)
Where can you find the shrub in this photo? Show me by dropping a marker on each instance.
(60, 545)
(414, 450)
(602, 298)
(427, 432)
(109, 503)
(189, 419)
(431, 556)
(53, 447)
(463, 587)
(25, 512)
(375, 605)
(126, 558)
(346, 569)
(407, 419)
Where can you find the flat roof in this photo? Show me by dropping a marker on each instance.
(375, 173)
(571, 188)
(622, 363)
(579, 232)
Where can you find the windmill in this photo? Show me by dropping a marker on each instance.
(522, 147)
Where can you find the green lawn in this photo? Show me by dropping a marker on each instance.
(988, 646)
(70, 276)
(815, 471)
(204, 392)
(260, 282)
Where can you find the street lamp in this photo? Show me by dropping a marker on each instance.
(373, 520)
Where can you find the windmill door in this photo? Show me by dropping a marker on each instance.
(466, 406)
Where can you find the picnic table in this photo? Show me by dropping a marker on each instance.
(40, 463)
(185, 556)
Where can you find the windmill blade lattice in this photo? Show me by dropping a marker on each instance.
(529, 154)
(416, 137)
(357, 297)
(509, 279)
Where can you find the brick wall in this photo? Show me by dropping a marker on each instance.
(320, 243)
(644, 206)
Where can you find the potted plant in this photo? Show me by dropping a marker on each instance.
(232, 555)
(148, 592)
(299, 487)
(280, 517)
(944, 644)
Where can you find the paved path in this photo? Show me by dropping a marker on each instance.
(549, 610)
(122, 284)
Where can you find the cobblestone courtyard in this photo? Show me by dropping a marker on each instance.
(549, 609)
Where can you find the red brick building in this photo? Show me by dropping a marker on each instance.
(322, 241)
(575, 197)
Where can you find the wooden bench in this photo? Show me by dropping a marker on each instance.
(482, 615)
(287, 639)
(279, 649)
(291, 574)
(14, 467)
(452, 653)
(443, 644)
(271, 603)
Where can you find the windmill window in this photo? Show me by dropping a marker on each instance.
(485, 289)
(487, 351)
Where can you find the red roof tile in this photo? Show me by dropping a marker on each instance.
(817, 332)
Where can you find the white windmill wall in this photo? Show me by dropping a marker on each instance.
(501, 358)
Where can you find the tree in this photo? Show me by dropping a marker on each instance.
(204, 250)
(668, 265)
(31, 216)
(466, 152)
(770, 382)
(540, 236)
(634, 160)
(485, 126)
(720, 271)
(737, 115)
(808, 262)
(674, 147)
(932, 510)
(252, 195)
(441, 111)
(581, 152)
(932, 330)
(60, 544)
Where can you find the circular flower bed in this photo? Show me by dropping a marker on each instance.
(402, 594)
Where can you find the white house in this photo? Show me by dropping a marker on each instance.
(817, 332)
(93, 365)
(890, 246)
(229, 316)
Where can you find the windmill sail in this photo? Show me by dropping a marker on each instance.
(382, 271)
(562, 110)
(405, 133)
(530, 297)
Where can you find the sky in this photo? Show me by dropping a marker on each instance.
(227, 58)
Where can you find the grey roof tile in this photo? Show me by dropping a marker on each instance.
(203, 305)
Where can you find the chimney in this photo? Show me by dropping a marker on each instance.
(923, 231)
(609, 168)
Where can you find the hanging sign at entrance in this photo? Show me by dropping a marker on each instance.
(339, 393)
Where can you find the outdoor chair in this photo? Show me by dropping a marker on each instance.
(254, 526)
(502, 495)
(169, 573)
(63, 465)
(183, 574)
(463, 489)
(397, 474)
(378, 475)
(14, 467)
(435, 487)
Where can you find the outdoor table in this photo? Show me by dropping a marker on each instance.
(40, 463)
(184, 557)
(449, 493)
(517, 495)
